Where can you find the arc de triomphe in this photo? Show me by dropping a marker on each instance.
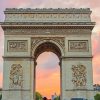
(65, 32)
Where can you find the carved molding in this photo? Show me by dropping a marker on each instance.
(65, 18)
(78, 46)
(16, 76)
(79, 75)
(58, 40)
(46, 31)
(48, 17)
(91, 24)
(67, 10)
(45, 25)
(17, 45)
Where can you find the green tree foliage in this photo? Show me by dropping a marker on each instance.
(38, 96)
(97, 97)
(0, 96)
(57, 98)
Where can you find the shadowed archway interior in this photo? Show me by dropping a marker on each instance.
(47, 46)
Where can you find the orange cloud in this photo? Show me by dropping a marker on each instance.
(96, 43)
(50, 84)
(96, 69)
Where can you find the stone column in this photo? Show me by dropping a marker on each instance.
(63, 79)
(32, 70)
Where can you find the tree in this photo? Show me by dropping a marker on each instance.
(97, 97)
(0, 96)
(38, 96)
(57, 98)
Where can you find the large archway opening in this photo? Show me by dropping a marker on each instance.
(48, 70)
(48, 75)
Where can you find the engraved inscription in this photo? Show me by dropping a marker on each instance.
(78, 45)
(17, 45)
(79, 75)
(16, 76)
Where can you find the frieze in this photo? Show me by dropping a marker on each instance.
(47, 17)
(79, 75)
(47, 23)
(16, 76)
(45, 31)
(67, 10)
(17, 45)
(78, 46)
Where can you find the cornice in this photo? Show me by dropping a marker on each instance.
(36, 25)
(47, 23)
(47, 10)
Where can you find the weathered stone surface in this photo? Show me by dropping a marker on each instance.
(17, 46)
(47, 15)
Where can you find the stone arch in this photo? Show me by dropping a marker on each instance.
(50, 43)
(52, 46)
(47, 46)
(69, 33)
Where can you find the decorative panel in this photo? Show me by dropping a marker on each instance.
(17, 45)
(79, 75)
(16, 76)
(78, 46)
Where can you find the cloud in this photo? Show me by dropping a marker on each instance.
(48, 80)
(96, 69)
(50, 61)
(44, 72)
(48, 74)
(96, 44)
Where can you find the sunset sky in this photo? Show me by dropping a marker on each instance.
(44, 65)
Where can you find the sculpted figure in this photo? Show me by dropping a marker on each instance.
(16, 75)
(79, 75)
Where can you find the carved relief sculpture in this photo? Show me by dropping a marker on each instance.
(16, 76)
(17, 45)
(79, 75)
(78, 45)
(56, 15)
(58, 40)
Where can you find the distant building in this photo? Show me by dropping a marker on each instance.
(54, 96)
(96, 87)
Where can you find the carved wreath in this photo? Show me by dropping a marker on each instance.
(16, 76)
(79, 75)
